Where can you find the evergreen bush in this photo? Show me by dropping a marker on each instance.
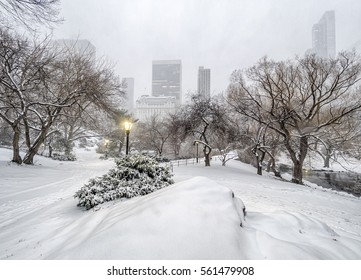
(62, 157)
(133, 176)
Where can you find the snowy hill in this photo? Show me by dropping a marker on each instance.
(196, 218)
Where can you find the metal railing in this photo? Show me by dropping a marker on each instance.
(184, 162)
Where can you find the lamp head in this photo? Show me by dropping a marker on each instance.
(127, 126)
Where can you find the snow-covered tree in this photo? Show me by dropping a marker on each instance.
(22, 68)
(153, 134)
(40, 89)
(177, 134)
(29, 12)
(298, 99)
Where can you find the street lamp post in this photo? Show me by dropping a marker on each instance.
(196, 143)
(127, 127)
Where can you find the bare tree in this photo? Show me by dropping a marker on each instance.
(153, 134)
(298, 99)
(226, 135)
(198, 121)
(21, 69)
(40, 88)
(209, 123)
(338, 138)
(72, 81)
(29, 12)
(177, 134)
(265, 144)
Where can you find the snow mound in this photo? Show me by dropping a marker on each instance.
(284, 235)
(194, 219)
(198, 219)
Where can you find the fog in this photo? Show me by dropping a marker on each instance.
(222, 35)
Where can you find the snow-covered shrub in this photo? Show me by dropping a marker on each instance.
(133, 176)
(61, 157)
(110, 154)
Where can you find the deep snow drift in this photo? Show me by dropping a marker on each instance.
(196, 218)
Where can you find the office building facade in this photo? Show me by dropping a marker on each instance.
(167, 79)
(152, 106)
(204, 82)
(324, 36)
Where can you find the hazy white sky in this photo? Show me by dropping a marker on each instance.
(222, 35)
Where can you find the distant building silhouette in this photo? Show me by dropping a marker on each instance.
(151, 106)
(79, 46)
(324, 36)
(204, 82)
(166, 91)
(129, 94)
(167, 79)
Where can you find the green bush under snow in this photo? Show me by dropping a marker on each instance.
(133, 176)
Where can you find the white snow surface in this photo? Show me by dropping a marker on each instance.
(199, 217)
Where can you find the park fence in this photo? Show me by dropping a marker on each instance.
(184, 162)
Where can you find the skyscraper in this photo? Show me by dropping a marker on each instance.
(167, 79)
(324, 36)
(129, 94)
(204, 82)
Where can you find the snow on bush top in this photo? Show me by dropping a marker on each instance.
(133, 176)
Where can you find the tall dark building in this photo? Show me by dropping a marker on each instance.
(324, 36)
(167, 79)
(204, 82)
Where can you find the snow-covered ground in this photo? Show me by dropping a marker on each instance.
(196, 218)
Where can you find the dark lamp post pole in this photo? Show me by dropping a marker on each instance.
(197, 153)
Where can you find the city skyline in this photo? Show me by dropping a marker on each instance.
(224, 35)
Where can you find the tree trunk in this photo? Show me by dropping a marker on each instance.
(29, 157)
(68, 147)
(27, 133)
(259, 168)
(69, 141)
(16, 150)
(207, 158)
(50, 150)
(258, 164)
(326, 162)
(297, 173)
(272, 166)
(261, 161)
(327, 157)
(298, 158)
(259, 158)
(298, 164)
